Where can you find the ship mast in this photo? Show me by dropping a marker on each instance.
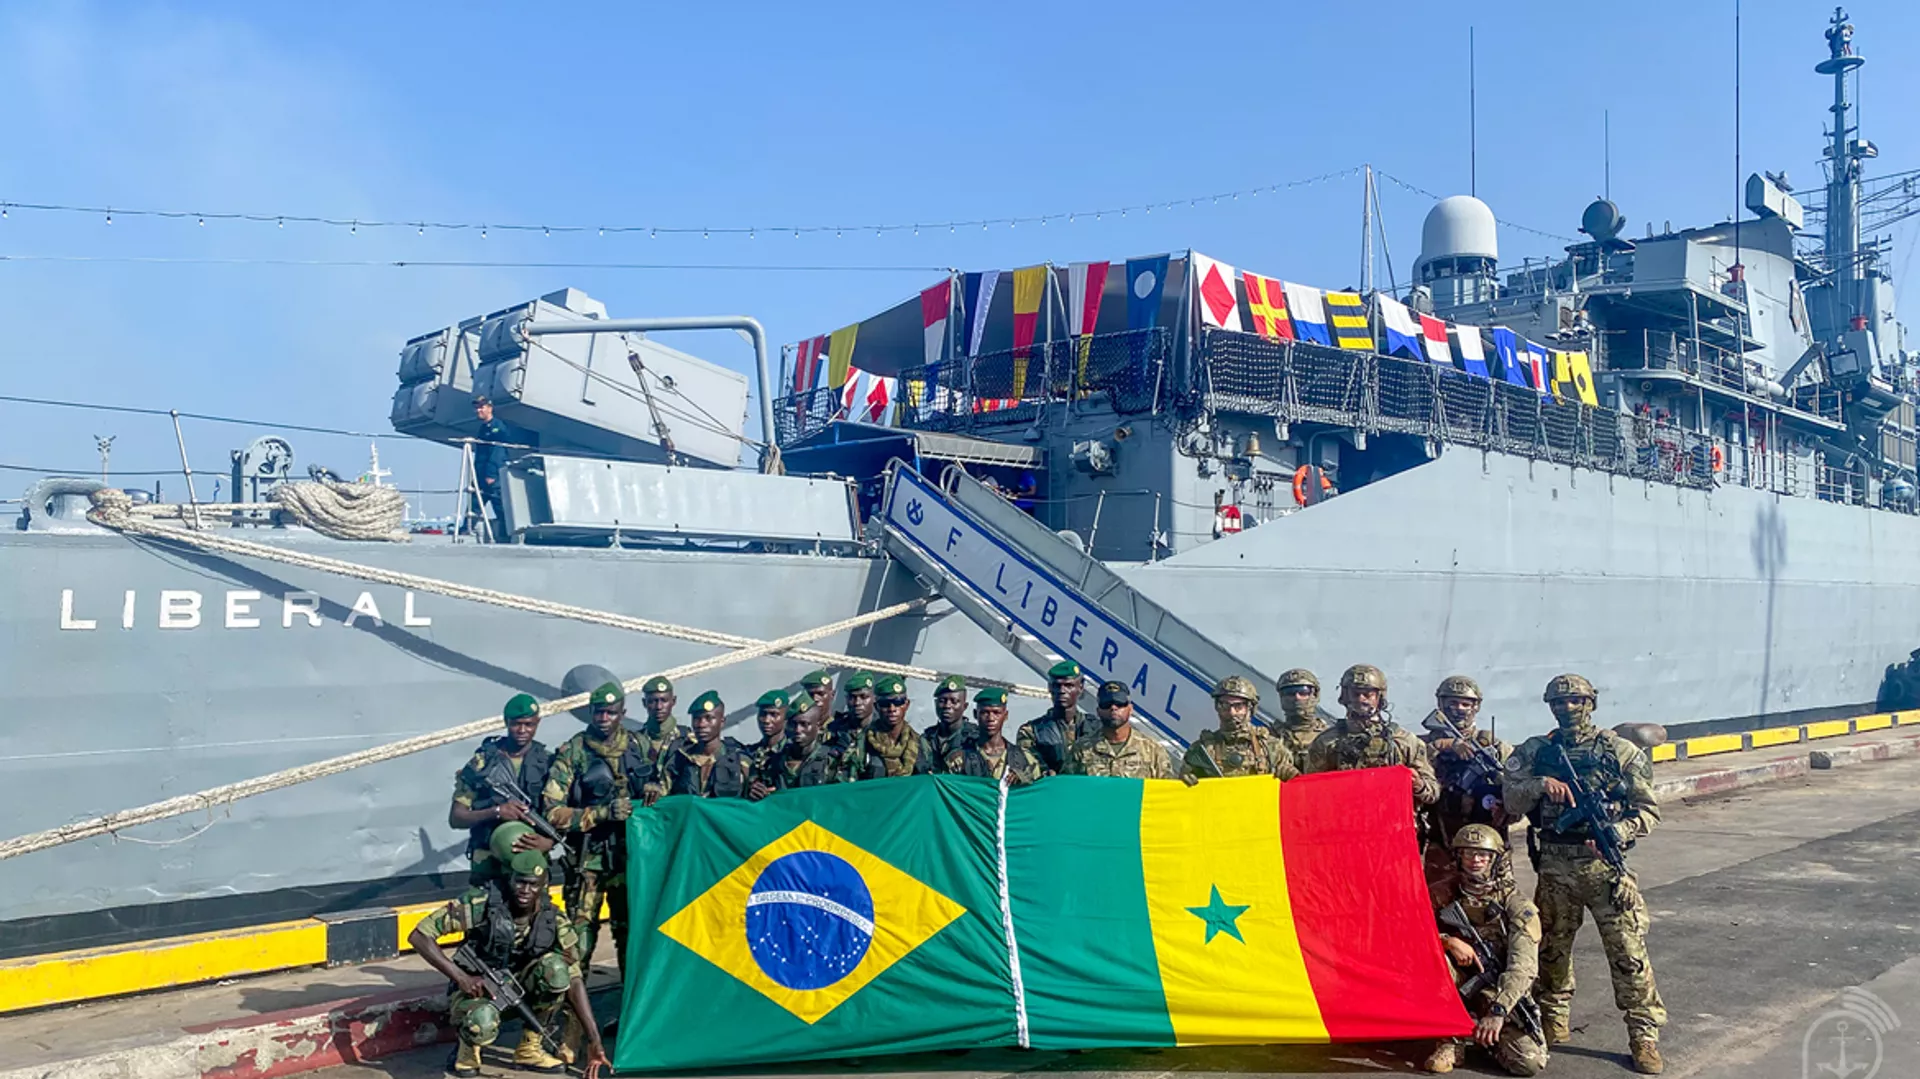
(1844, 155)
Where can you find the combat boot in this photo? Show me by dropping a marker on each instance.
(531, 1055)
(1646, 1057)
(1441, 1060)
(466, 1060)
(1555, 1028)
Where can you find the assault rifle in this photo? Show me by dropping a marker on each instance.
(504, 991)
(1454, 921)
(1482, 766)
(1593, 813)
(503, 786)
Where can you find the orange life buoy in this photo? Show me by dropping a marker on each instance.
(1719, 459)
(1300, 484)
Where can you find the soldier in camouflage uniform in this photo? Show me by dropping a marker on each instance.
(1573, 878)
(890, 748)
(987, 752)
(1048, 739)
(704, 764)
(1367, 738)
(1120, 750)
(1238, 748)
(953, 729)
(845, 728)
(591, 787)
(479, 807)
(772, 708)
(1510, 925)
(1468, 795)
(514, 927)
(816, 691)
(808, 760)
(658, 700)
(1300, 718)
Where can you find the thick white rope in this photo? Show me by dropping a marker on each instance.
(113, 509)
(208, 800)
(333, 508)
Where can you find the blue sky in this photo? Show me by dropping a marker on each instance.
(720, 115)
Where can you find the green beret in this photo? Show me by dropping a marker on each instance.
(859, 680)
(817, 678)
(608, 695)
(773, 698)
(529, 863)
(890, 686)
(950, 683)
(521, 706)
(657, 684)
(991, 695)
(704, 703)
(1064, 669)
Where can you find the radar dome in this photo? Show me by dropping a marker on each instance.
(1459, 226)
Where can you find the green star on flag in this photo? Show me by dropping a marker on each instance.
(1220, 916)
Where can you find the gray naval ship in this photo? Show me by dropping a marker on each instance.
(1710, 512)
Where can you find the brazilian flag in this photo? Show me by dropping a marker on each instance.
(944, 912)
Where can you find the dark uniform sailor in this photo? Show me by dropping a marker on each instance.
(512, 924)
(1049, 738)
(479, 805)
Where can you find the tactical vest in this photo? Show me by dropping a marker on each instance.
(1050, 743)
(818, 768)
(975, 763)
(1368, 749)
(1597, 768)
(495, 937)
(727, 778)
(533, 778)
(602, 781)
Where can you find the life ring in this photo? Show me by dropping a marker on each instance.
(1300, 484)
(1719, 459)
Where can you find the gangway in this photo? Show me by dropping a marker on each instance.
(1044, 597)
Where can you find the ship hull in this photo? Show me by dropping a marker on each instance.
(1682, 605)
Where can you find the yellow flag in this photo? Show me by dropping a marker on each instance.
(840, 355)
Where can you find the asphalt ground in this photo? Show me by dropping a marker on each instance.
(1775, 908)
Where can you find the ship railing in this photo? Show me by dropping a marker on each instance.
(1707, 362)
(1002, 387)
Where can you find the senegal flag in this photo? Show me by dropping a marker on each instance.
(945, 912)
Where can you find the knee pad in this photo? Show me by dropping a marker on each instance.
(549, 976)
(481, 1024)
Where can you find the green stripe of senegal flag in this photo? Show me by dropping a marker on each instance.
(844, 920)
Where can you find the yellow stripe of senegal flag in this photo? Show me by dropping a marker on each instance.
(1223, 928)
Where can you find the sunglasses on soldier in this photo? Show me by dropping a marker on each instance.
(892, 702)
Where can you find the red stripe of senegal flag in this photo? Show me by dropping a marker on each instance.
(1236, 911)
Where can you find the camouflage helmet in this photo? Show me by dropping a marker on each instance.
(1364, 676)
(1479, 837)
(1569, 685)
(1237, 686)
(1299, 676)
(1458, 685)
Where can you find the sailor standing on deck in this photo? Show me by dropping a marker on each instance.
(480, 804)
(1050, 738)
(492, 445)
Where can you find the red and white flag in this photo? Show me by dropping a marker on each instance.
(808, 358)
(1085, 283)
(936, 306)
(1433, 334)
(1214, 292)
(867, 397)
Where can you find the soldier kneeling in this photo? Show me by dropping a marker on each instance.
(514, 933)
(1491, 934)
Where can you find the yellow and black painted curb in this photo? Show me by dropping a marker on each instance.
(1708, 745)
(327, 940)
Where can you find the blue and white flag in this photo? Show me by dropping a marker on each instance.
(1309, 313)
(1538, 364)
(1508, 357)
(1146, 280)
(1396, 322)
(978, 296)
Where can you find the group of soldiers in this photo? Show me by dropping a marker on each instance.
(1512, 956)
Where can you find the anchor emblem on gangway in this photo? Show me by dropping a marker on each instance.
(916, 513)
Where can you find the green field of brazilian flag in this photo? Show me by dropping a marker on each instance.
(943, 912)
